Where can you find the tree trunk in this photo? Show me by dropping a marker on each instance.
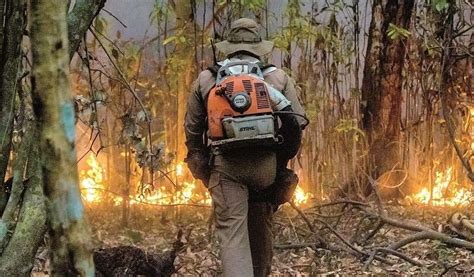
(70, 238)
(80, 19)
(184, 72)
(382, 89)
(31, 226)
(12, 34)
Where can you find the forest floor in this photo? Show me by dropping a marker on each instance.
(154, 229)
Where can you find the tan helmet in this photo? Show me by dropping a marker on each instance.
(244, 35)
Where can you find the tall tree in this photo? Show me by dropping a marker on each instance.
(22, 224)
(70, 245)
(382, 84)
(183, 65)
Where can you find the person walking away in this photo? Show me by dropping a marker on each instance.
(237, 150)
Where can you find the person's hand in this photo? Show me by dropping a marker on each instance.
(198, 164)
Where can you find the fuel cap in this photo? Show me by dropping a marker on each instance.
(240, 102)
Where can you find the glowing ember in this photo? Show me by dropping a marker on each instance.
(92, 180)
(445, 192)
(179, 169)
(300, 197)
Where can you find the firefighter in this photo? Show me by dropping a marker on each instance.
(246, 185)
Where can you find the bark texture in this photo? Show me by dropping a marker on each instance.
(13, 22)
(80, 19)
(184, 73)
(70, 238)
(31, 226)
(382, 86)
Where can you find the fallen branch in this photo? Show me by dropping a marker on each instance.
(410, 239)
(460, 220)
(355, 250)
(426, 232)
(392, 252)
(342, 201)
(295, 246)
(306, 220)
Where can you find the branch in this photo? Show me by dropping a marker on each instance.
(295, 246)
(80, 19)
(415, 237)
(424, 233)
(354, 249)
(391, 252)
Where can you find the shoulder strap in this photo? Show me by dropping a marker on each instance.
(264, 66)
(215, 68)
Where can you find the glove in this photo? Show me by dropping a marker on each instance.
(198, 164)
(292, 133)
(280, 192)
(285, 186)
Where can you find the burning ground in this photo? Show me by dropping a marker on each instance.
(311, 236)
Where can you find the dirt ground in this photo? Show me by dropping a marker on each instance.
(154, 229)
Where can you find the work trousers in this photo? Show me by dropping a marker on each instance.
(244, 229)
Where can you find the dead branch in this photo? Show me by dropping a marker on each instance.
(372, 233)
(310, 226)
(374, 185)
(415, 237)
(460, 220)
(448, 268)
(295, 246)
(391, 252)
(354, 249)
(342, 201)
(426, 232)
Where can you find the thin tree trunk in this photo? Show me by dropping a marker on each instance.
(70, 238)
(184, 56)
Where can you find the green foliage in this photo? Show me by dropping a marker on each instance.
(303, 29)
(350, 126)
(394, 32)
(101, 24)
(160, 11)
(440, 5)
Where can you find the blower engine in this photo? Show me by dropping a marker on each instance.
(241, 108)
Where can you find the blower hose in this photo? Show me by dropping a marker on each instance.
(297, 114)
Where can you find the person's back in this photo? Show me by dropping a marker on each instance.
(233, 176)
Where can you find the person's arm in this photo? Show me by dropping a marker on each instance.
(195, 120)
(194, 129)
(292, 93)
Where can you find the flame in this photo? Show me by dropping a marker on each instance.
(92, 180)
(300, 197)
(444, 192)
(179, 169)
(186, 191)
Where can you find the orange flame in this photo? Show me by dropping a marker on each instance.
(300, 197)
(92, 180)
(92, 188)
(444, 192)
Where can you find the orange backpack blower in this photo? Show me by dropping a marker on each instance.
(239, 108)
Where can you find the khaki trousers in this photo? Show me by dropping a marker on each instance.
(244, 229)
